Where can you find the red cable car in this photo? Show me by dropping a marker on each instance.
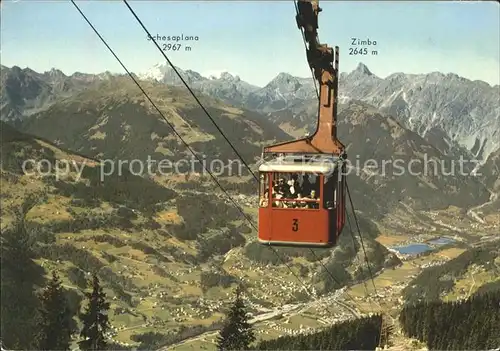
(303, 182)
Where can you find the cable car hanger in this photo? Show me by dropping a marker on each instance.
(320, 58)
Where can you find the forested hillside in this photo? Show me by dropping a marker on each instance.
(435, 282)
(360, 334)
(472, 324)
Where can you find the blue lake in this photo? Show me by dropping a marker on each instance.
(413, 249)
(441, 241)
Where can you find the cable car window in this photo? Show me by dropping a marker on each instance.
(264, 190)
(295, 190)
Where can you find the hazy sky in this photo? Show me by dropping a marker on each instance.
(255, 39)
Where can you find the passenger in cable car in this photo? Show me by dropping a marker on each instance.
(276, 186)
(313, 197)
(291, 189)
(283, 188)
(277, 196)
(298, 203)
(294, 186)
(290, 204)
(298, 189)
(264, 199)
(314, 183)
(281, 204)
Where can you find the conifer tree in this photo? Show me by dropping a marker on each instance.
(54, 318)
(95, 319)
(237, 333)
(19, 276)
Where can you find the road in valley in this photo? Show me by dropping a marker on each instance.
(281, 312)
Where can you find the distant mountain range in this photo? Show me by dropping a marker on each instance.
(25, 91)
(446, 109)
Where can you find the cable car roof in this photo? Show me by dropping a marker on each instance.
(299, 164)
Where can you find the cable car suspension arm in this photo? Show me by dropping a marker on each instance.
(320, 58)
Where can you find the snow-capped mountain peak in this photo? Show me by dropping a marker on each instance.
(218, 83)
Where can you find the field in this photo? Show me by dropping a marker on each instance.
(392, 240)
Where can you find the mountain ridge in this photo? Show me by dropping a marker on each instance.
(470, 129)
(144, 74)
